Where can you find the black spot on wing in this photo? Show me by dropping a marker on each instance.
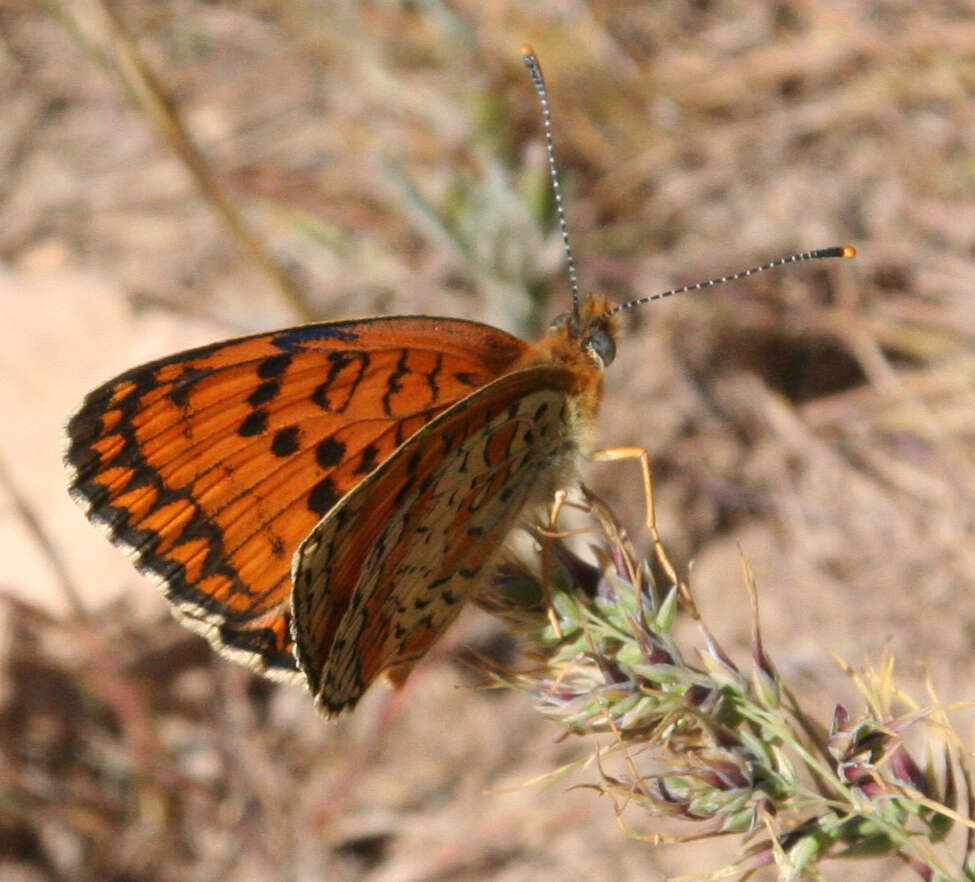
(394, 385)
(330, 453)
(367, 461)
(272, 368)
(327, 395)
(267, 391)
(287, 441)
(323, 496)
(433, 376)
(253, 424)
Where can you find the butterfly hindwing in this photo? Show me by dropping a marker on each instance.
(386, 571)
(209, 467)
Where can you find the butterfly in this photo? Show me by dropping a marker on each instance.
(320, 501)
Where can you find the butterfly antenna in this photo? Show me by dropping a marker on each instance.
(818, 254)
(535, 70)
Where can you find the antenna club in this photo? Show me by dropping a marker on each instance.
(527, 50)
(819, 253)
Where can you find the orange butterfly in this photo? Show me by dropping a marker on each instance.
(321, 500)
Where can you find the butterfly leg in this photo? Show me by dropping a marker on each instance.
(617, 454)
(553, 513)
(547, 538)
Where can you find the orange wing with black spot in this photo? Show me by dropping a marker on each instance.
(211, 466)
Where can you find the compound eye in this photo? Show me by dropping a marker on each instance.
(601, 345)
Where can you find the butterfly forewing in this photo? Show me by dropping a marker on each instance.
(382, 576)
(209, 467)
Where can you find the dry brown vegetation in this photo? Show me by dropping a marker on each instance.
(388, 156)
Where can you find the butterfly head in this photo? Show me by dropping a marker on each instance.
(592, 330)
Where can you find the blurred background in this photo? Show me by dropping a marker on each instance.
(347, 159)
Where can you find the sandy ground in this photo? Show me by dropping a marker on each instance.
(389, 156)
